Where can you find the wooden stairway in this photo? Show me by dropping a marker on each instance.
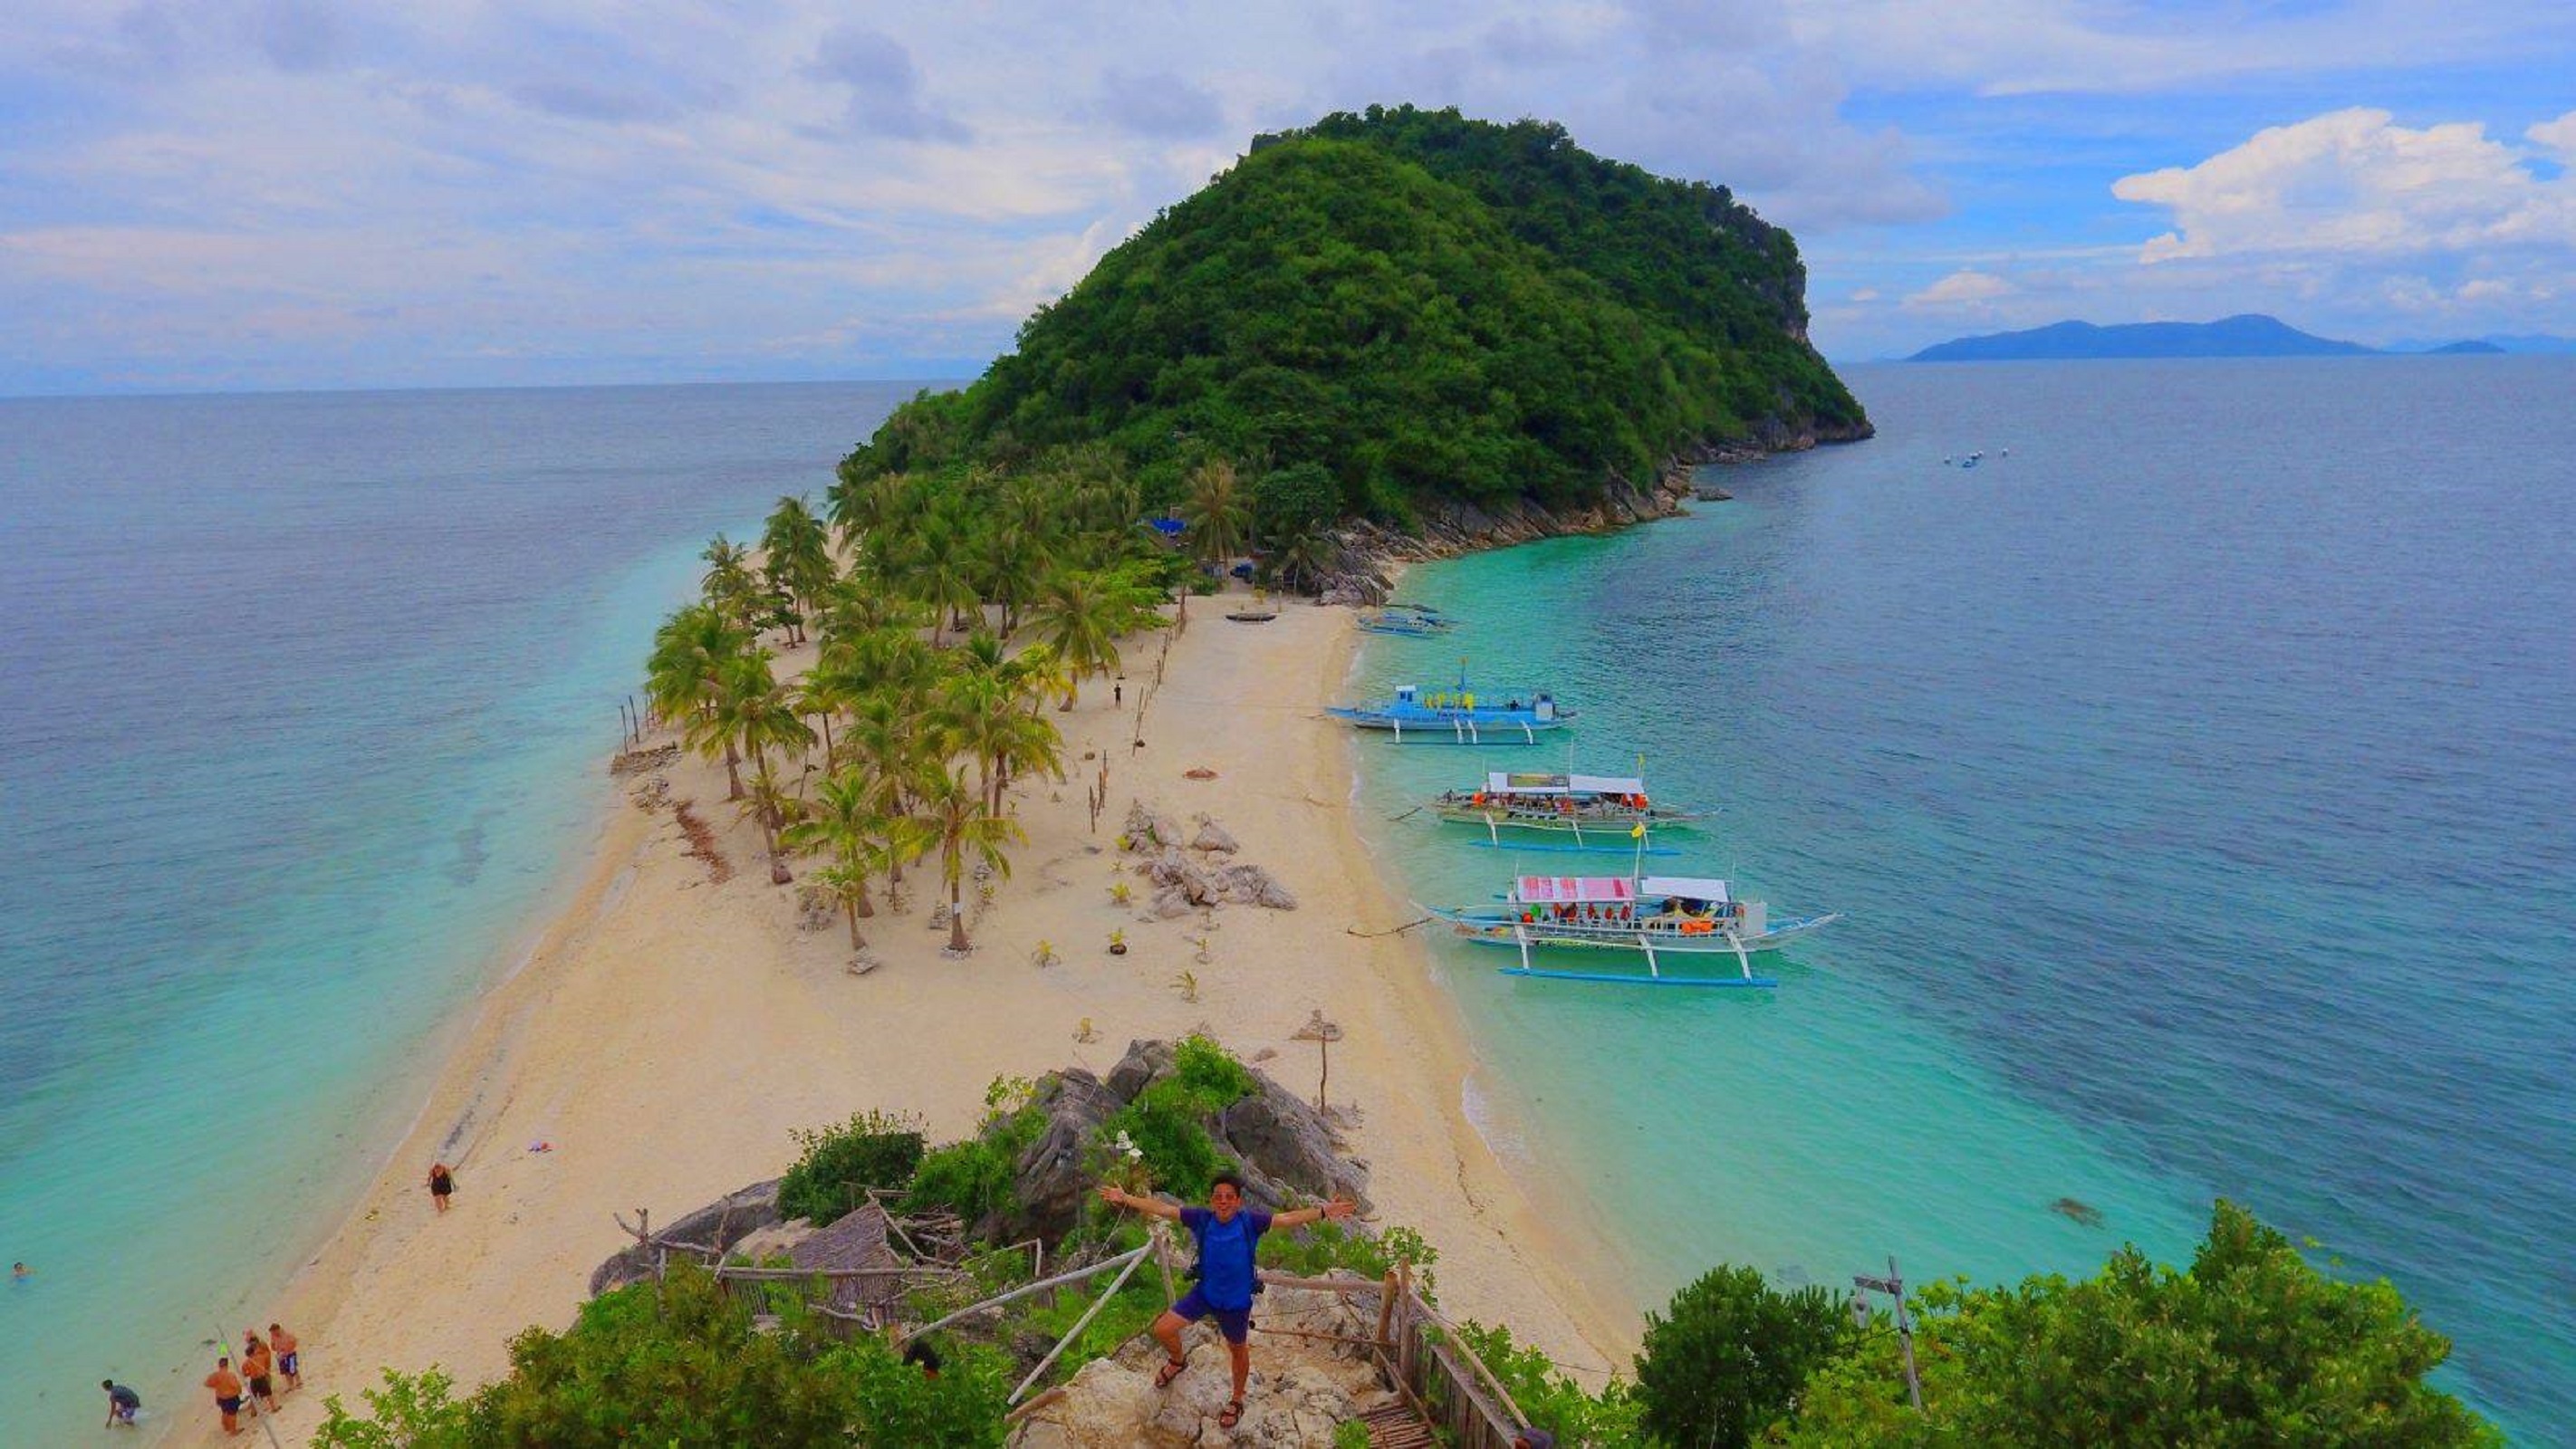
(1397, 1427)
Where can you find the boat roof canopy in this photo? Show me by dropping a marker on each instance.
(1524, 782)
(1688, 887)
(1575, 889)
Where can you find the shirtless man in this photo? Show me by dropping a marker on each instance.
(228, 1394)
(283, 1343)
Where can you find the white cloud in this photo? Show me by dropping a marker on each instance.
(1964, 290)
(2353, 181)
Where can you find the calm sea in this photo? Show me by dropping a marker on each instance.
(2196, 780)
(305, 699)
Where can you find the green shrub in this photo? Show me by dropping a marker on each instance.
(1611, 1419)
(872, 1149)
(972, 1179)
(1317, 1250)
(679, 1364)
(1725, 1359)
(1168, 1121)
(1210, 1074)
(2250, 1345)
(1351, 1434)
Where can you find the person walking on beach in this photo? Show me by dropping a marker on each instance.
(442, 1184)
(283, 1344)
(122, 1403)
(228, 1394)
(1228, 1235)
(257, 1366)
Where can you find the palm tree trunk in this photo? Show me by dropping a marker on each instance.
(956, 915)
(856, 942)
(831, 764)
(733, 773)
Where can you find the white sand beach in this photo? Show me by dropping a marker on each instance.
(670, 1031)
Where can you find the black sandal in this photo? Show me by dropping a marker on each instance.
(1230, 1415)
(1169, 1371)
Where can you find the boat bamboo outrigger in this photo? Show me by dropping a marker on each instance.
(1458, 716)
(1657, 916)
(1592, 812)
(1414, 621)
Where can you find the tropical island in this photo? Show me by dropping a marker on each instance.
(964, 719)
(2249, 334)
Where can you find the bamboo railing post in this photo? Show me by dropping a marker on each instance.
(1079, 1325)
(1386, 1307)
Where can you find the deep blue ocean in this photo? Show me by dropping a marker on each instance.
(306, 696)
(2196, 779)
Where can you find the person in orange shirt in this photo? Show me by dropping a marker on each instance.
(228, 1394)
(284, 1342)
(257, 1364)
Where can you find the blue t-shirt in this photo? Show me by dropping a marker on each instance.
(1225, 1255)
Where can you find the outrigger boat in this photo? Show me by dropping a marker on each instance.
(1658, 916)
(1458, 716)
(1597, 812)
(1415, 621)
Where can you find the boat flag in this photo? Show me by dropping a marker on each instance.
(1637, 831)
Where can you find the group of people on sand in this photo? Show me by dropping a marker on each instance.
(263, 1362)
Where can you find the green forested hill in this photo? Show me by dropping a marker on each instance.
(1424, 306)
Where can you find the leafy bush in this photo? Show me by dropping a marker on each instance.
(2250, 1345)
(1726, 1357)
(1168, 1120)
(1325, 1246)
(979, 1177)
(679, 1364)
(872, 1149)
(1289, 501)
(1611, 1419)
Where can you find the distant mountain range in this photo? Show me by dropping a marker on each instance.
(2250, 335)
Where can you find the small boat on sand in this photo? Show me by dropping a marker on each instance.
(1412, 621)
(1662, 918)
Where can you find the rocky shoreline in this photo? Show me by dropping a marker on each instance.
(1364, 574)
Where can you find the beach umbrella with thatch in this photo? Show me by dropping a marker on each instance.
(1323, 1034)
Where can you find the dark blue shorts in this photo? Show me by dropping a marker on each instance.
(1234, 1323)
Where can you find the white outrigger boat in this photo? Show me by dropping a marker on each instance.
(1659, 916)
(1591, 812)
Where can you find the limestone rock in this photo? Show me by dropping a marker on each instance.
(1146, 1063)
(1275, 1133)
(1051, 1172)
(1215, 837)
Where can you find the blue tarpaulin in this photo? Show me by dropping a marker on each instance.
(1167, 527)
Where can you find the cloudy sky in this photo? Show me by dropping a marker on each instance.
(326, 193)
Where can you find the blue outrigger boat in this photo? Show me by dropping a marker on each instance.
(1411, 621)
(1660, 917)
(1458, 716)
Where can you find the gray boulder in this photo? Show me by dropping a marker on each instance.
(1215, 837)
(1276, 1133)
(717, 1227)
(1051, 1173)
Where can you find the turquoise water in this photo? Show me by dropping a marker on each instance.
(2195, 779)
(307, 695)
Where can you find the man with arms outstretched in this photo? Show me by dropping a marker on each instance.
(1228, 1233)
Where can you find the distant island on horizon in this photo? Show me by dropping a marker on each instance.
(2249, 334)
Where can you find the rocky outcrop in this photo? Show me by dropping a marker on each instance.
(1055, 1173)
(719, 1227)
(1358, 574)
(1300, 1389)
(1202, 876)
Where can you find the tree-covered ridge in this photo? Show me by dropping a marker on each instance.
(1421, 306)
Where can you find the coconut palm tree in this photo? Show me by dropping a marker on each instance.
(769, 805)
(1301, 562)
(750, 714)
(730, 585)
(887, 745)
(847, 821)
(1080, 614)
(954, 813)
(1217, 511)
(686, 668)
(799, 551)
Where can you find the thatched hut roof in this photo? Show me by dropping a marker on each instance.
(856, 1240)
